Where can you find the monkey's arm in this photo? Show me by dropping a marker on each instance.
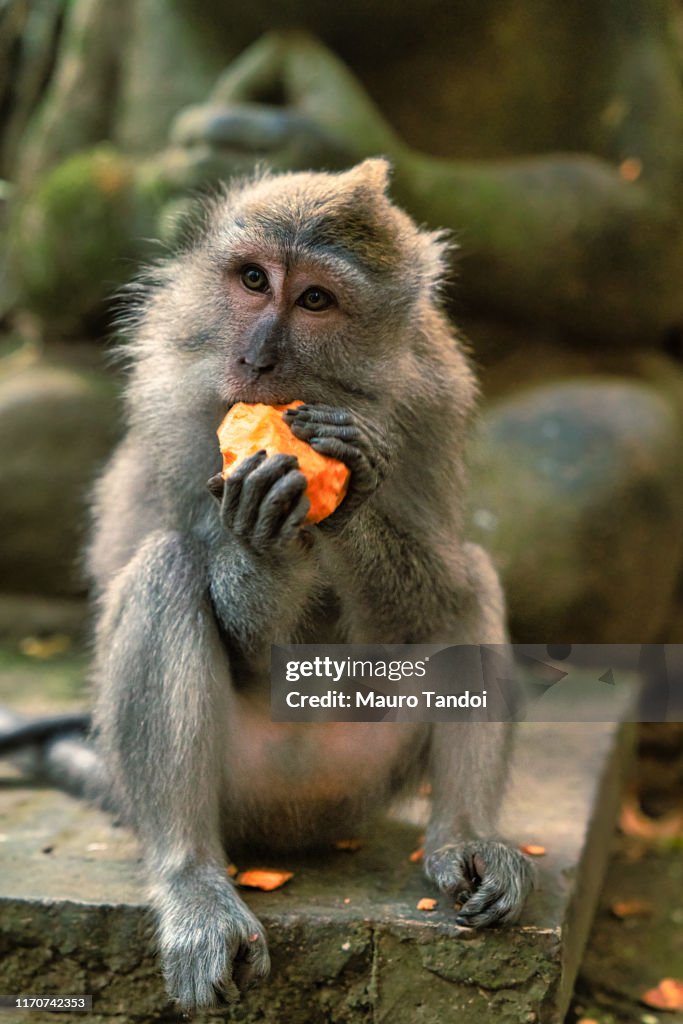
(261, 574)
(400, 585)
(431, 600)
(399, 582)
(469, 767)
(404, 592)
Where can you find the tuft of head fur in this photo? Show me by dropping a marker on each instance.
(347, 213)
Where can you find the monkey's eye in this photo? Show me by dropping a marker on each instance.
(315, 299)
(254, 278)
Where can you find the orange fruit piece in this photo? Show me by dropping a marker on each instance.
(533, 850)
(248, 428)
(426, 903)
(265, 879)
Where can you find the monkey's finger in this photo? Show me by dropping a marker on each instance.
(293, 525)
(320, 414)
(232, 489)
(254, 489)
(277, 505)
(356, 460)
(215, 485)
(305, 430)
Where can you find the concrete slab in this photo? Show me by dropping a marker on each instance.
(347, 942)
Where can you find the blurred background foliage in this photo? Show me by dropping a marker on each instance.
(548, 139)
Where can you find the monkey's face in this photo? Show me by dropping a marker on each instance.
(300, 326)
(302, 286)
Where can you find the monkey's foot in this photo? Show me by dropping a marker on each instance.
(207, 938)
(494, 879)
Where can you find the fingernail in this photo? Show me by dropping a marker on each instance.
(215, 485)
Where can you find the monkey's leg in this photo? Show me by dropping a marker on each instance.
(164, 700)
(405, 588)
(469, 765)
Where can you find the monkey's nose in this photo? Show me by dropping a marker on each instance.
(257, 367)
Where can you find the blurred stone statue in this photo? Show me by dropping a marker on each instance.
(547, 138)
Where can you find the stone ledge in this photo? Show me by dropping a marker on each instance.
(73, 919)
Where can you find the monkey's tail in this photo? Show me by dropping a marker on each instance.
(55, 750)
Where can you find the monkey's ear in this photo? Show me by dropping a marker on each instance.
(373, 173)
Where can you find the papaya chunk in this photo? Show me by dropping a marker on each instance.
(248, 428)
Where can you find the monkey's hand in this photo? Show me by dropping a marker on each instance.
(494, 880)
(208, 936)
(263, 503)
(357, 443)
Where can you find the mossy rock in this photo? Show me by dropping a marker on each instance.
(78, 236)
(58, 425)
(577, 492)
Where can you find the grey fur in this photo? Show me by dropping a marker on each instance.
(195, 585)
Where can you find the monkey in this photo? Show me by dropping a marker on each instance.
(310, 286)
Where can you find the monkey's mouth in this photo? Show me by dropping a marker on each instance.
(265, 396)
(265, 392)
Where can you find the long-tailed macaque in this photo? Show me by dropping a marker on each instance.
(316, 287)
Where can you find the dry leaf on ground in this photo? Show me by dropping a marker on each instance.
(631, 908)
(668, 995)
(261, 878)
(633, 822)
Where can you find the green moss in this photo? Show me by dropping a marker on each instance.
(78, 234)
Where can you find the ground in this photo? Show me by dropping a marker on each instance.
(625, 955)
